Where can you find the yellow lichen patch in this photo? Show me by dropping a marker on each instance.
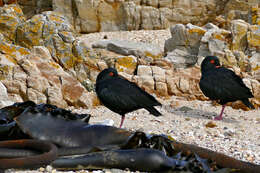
(13, 50)
(11, 59)
(126, 62)
(7, 49)
(256, 68)
(18, 10)
(23, 51)
(36, 27)
(218, 36)
(95, 101)
(56, 19)
(253, 39)
(54, 64)
(70, 61)
(4, 71)
(148, 54)
(196, 30)
(255, 14)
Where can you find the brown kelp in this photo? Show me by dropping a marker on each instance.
(99, 146)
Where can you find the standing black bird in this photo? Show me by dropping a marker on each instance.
(122, 96)
(222, 84)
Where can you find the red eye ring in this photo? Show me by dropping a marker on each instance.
(111, 74)
(212, 61)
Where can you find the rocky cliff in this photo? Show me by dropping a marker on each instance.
(44, 59)
(114, 15)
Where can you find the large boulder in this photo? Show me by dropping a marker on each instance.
(182, 48)
(95, 16)
(127, 47)
(52, 30)
(10, 17)
(253, 37)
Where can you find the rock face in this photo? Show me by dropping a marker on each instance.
(94, 16)
(182, 48)
(11, 17)
(51, 30)
(125, 47)
(42, 59)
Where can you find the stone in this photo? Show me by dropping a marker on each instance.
(87, 15)
(150, 18)
(180, 58)
(10, 17)
(36, 96)
(171, 82)
(7, 67)
(145, 79)
(147, 83)
(102, 44)
(255, 65)
(16, 87)
(108, 15)
(87, 60)
(253, 37)
(161, 88)
(214, 42)
(65, 7)
(126, 47)
(45, 76)
(126, 64)
(3, 92)
(15, 97)
(179, 38)
(183, 47)
(38, 83)
(71, 89)
(235, 9)
(88, 100)
(255, 14)
(94, 16)
(158, 74)
(184, 82)
(51, 30)
(55, 97)
(131, 16)
(144, 70)
(4, 103)
(13, 52)
(239, 30)
(256, 89)
(165, 3)
(32, 7)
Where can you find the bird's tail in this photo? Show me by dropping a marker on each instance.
(153, 111)
(248, 104)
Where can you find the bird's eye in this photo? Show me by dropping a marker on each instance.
(111, 74)
(212, 61)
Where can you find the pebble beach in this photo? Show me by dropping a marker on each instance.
(237, 135)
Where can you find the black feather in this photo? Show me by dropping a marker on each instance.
(122, 96)
(219, 83)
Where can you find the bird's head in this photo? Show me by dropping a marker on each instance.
(107, 73)
(209, 63)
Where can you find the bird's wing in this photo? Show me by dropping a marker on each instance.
(224, 84)
(135, 93)
(127, 95)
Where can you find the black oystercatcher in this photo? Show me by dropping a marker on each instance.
(221, 84)
(122, 96)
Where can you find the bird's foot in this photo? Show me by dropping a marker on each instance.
(218, 118)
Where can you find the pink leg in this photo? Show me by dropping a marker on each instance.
(122, 120)
(220, 115)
